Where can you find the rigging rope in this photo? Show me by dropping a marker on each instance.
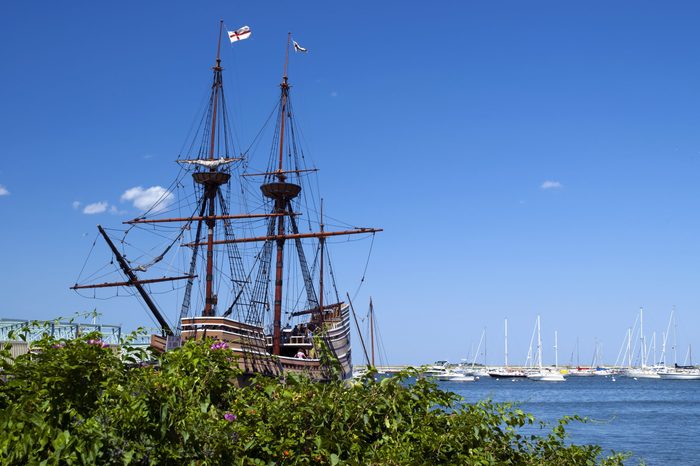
(364, 273)
(187, 299)
(77, 280)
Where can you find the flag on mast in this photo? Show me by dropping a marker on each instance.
(239, 34)
(298, 48)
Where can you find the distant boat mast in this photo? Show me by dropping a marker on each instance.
(505, 352)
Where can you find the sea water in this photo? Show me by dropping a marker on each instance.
(658, 421)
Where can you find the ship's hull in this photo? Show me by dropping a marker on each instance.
(581, 372)
(507, 373)
(253, 347)
(546, 376)
(641, 373)
(680, 375)
(451, 376)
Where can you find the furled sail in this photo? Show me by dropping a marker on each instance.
(210, 163)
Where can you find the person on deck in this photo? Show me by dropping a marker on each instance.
(300, 354)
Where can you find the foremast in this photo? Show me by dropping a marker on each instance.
(211, 181)
(211, 173)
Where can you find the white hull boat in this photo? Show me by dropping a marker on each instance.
(680, 374)
(541, 374)
(642, 373)
(461, 378)
(546, 376)
(454, 376)
(507, 373)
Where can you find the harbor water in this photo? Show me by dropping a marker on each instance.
(656, 420)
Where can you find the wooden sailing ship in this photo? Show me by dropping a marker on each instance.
(247, 297)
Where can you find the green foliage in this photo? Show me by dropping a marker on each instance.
(81, 402)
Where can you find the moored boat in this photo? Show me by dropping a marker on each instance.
(641, 373)
(450, 375)
(507, 373)
(545, 375)
(679, 374)
(581, 372)
(540, 373)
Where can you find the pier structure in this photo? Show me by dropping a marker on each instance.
(34, 330)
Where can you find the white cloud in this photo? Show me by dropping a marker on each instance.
(4, 191)
(76, 205)
(156, 198)
(551, 185)
(95, 208)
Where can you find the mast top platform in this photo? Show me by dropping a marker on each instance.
(211, 178)
(280, 190)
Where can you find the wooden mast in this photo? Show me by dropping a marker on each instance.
(198, 218)
(285, 91)
(211, 186)
(134, 281)
(318, 234)
(357, 326)
(281, 192)
(131, 282)
(322, 242)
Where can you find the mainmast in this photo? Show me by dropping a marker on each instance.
(281, 193)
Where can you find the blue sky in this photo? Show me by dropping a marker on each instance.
(522, 157)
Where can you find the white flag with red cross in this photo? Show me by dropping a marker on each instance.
(239, 34)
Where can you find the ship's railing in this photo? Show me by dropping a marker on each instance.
(294, 340)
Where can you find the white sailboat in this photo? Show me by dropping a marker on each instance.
(579, 371)
(676, 372)
(597, 366)
(506, 371)
(643, 371)
(442, 371)
(481, 371)
(680, 373)
(543, 374)
(685, 372)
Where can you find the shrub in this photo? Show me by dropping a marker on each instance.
(81, 402)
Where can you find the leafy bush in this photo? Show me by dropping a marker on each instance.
(82, 402)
